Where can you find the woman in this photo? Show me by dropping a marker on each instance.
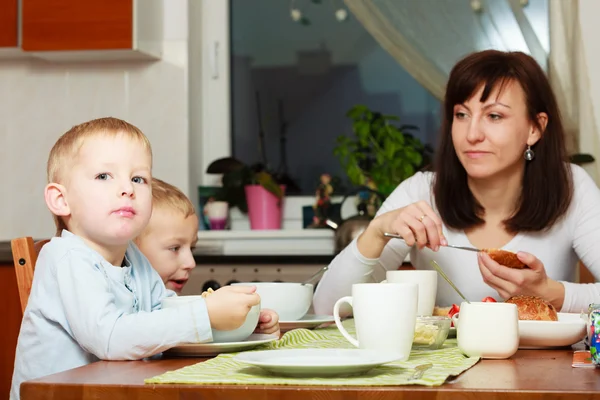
(500, 180)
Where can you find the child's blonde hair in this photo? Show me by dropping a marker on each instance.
(167, 195)
(64, 152)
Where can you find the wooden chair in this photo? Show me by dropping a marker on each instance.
(25, 252)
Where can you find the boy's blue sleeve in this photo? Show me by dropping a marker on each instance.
(112, 334)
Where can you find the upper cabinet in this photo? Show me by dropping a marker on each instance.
(91, 29)
(9, 23)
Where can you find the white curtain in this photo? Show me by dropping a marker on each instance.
(564, 64)
(427, 37)
(586, 103)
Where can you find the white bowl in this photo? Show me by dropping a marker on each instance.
(288, 299)
(568, 330)
(235, 335)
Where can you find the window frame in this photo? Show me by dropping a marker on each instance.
(215, 134)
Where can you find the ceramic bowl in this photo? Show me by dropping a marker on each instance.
(235, 335)
(288, 299)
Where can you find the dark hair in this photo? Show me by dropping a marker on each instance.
(547, 181)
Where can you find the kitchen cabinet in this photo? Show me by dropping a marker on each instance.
(74, 30)
(9, 23)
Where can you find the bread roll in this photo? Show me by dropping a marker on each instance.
(506, 258)
(533, 308)
(441, 311)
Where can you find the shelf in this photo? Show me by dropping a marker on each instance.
(268, 242)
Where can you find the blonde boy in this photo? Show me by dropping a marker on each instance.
(171, 235)
(169, 239)
(94, 294)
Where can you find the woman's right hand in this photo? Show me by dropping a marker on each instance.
(417, 223)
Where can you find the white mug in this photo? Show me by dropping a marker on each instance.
(217, 212)
(385, 315)
(427, 281)
(487, 330)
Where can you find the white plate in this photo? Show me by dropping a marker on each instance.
(212, 349)
(568, 330)
(308, 321)
(317, 362)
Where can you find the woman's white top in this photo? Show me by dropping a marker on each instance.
(574, 237)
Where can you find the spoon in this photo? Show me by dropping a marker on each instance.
(393, 235)
(443, 274)
(318, 273)
(419, 371)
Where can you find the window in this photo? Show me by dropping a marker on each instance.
(301, 79)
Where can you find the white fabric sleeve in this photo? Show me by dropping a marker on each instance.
(350, 266)
(111, 334)
(578, 296)
(585, 226)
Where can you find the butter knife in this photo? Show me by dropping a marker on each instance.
(393, 235)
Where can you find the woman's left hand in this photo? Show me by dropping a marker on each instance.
(531, 281)
(268, 322)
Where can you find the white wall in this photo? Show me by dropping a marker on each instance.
(39, 101)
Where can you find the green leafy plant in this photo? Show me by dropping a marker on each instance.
(380, 150)
(581, 158)
(237, 175)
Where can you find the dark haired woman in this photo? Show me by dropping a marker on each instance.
(500, 180)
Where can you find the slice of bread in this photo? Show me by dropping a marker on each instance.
(506, 258)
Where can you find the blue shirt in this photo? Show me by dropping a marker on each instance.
(83, 309)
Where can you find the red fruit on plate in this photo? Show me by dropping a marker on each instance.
(489, 300)
(455, 309)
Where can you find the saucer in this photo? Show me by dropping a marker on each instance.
(213, 349)
(308, 321)
(317, 362)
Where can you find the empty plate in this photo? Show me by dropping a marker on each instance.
(212, 349)
(317, 362)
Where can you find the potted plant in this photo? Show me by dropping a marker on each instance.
(252, 189)
(380, 154)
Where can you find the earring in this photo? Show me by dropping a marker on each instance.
(529, 154)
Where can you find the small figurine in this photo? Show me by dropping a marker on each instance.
(323, 202)
(367, 201)
(374, 201)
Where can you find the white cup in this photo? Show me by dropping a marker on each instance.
(487, 330)
(427, 281)
(385, 315)
(217, 212)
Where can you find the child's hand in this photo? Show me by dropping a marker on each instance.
(268, 322)
(228, 306)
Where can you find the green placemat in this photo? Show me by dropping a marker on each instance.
(223, 369)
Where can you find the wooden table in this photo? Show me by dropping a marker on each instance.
(529, 374)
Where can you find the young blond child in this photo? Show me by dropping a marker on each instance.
(169, 240)
(94, 294)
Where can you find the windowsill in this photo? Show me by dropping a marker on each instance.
(301, 242)
(292, 239)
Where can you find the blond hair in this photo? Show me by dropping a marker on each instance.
(169, 196)
(64, 152)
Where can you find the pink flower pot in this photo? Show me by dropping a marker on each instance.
(264, 208)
